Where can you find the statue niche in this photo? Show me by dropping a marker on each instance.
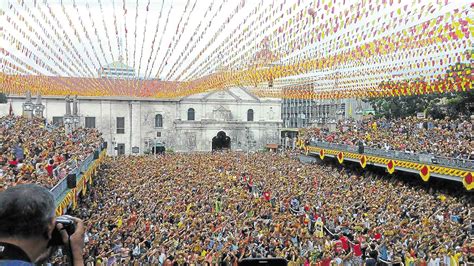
(222, 114)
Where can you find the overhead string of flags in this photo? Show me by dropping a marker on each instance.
(347, 49)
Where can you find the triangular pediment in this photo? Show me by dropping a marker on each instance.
(221, 108)
(221, 95)
(227, 95)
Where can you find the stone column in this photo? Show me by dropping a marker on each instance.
(28, 106)
(68, 119)
(136, 126)
(75, 114)
(68, 106)
(38, 107)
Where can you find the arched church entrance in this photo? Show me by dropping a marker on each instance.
(221, 142)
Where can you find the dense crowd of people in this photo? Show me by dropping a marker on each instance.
(441, 137)
(218, 208)
(34, 151)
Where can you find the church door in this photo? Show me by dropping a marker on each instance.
(221, 141)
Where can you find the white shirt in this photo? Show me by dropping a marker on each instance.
(447, 260)
(433, 262)
(162, 258)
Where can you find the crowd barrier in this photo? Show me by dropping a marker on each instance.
(414, 157)
(84, 171)
(461, 170)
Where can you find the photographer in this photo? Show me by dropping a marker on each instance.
(27, 222)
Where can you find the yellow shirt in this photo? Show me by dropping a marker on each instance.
(409, 259)
(374, 126)
(292, 263)
(119, 222)
(454, 259)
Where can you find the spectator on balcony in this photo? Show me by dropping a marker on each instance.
(445, 138)
(50, 149)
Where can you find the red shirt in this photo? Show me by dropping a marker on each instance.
(326, 262)
(345, 242)
(49, 168)
(357, 250)
(338, 246)
(266, 196)
(377, 236)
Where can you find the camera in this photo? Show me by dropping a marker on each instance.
(68, 225)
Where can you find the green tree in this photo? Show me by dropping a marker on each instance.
(435, 105)
(401, 106)
(461, 104)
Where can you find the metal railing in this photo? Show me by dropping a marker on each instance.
(400, 155)
(79, 169)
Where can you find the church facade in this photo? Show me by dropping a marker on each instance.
(233, 119)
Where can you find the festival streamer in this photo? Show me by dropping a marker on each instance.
(173, 42)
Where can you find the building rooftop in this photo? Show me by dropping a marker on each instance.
(117, 65)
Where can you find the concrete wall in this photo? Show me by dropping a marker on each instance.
(211, 116)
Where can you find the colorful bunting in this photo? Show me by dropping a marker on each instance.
(340, 157)
(468, 181)
(348, 50)
(363, 161)
(391, 166)
(425, 173)
(321, 154)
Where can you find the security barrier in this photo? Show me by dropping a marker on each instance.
(423, 164)
(85, 170)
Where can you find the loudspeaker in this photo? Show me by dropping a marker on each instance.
(71, 181)
(361, 147)
(96, 155)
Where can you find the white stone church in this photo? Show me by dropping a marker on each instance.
(233, 119)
